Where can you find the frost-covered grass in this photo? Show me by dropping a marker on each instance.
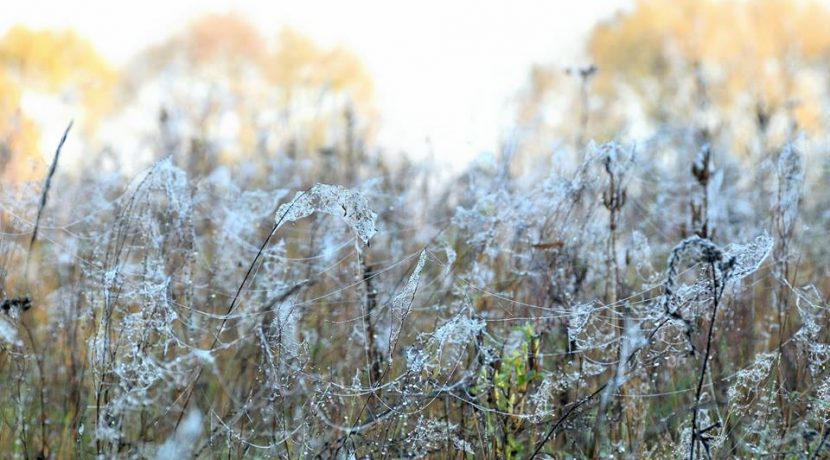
(638, 301)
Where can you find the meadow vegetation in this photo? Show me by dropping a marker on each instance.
(657, 297)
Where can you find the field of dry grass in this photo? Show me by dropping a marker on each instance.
(627, 301)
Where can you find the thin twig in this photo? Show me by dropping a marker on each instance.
(715, 303)
(44, 195)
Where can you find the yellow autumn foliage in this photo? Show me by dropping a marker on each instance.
(60, 63)
(721, 64)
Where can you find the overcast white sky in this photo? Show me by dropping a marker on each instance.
(443, 70)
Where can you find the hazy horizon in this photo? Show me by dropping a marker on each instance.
(445, 74)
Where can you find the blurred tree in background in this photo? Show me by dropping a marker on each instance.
(749, 74)
(43, 63)
(224, 94)
(217, 92)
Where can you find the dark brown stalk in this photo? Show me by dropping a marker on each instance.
(44, 195)
(613, 199)
(371, 304)
(585, 74)
(716, 289)
(38, 358)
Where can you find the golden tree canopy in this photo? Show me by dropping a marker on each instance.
(59, 63)
(252, 78)
(732, 66)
